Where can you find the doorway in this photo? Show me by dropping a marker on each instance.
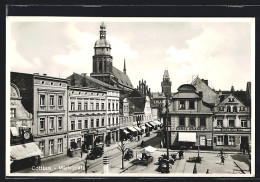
(244, 143)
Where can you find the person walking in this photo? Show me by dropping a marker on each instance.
(222, 160)
(207, 172)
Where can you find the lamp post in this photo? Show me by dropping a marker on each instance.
(167, 135)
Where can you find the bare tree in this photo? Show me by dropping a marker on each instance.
(122, 148)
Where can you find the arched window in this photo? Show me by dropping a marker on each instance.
(228, 109)
(235, 109)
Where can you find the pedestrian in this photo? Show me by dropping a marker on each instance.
(161, 144)
(221, 152)
(207, 172)
(222, 160)
(142, 144)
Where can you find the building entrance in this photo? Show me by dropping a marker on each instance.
(244, 143)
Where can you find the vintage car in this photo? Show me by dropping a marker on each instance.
(96, 152)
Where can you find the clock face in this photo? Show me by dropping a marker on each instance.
(26, 135)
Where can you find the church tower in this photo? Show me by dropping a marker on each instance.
(102, 59)
(166, 83)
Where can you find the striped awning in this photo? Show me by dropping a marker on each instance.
(149, 125)
(152, 123)
(126, 132)
(131, 129)
(157, 122)
(137, 128)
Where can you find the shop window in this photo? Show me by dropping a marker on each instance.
(72, 125)
(231, 123)
(182, 105)
(203, 122)
(79, 125)
(181, 121)
(60, 100)
(191, 104)
(192, 122)
(42, 147)
(220, 140)
(51, 147)
(60, 145)
(244, 123)
(220, 123)
(231, 140)
(202, 140)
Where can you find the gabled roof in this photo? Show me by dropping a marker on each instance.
(240, 95)
(234, 95)
(122, 78)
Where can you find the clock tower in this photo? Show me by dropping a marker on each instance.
(166, 83)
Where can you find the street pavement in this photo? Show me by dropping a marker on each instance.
(210, 161)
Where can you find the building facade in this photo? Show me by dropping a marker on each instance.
(231, 125)
(190, 119)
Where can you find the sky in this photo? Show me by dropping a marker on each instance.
(218, 50)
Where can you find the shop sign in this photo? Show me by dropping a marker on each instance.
(187, 128)
(231, 129)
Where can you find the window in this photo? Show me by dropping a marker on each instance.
(231, 123)
(42, 100)
(113, 121)
(113, 106)
(103, 106)
(72, 106)
(79, 106)
(202, 140)
(72, 141)
(228, 109)
(116, 121)
(182, 105)
(242, 108)
(79, 125)
(109, 108)
(117, 106)
(181, 121)
(220, 140)
(109, 122)
(60, 100)
(220, 123)
(231, 140)
(51, 147)
(92, 123)
(103, 122)
(97, 122)
(42, 147)
(192, 122)
(85, 106)
(51, 100)
(60, 148)
(221, 108)
(79, 142)
(97, 106)
(72, 125)
(235, 109)
(191, 104)
(86, 124)
(13, 112)
(59, 122)
(203, 122)
(231, 99)
(91, 106)
(51, 126)
(42, 123)
(244, 124)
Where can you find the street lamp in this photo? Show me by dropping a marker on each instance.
(167, 135)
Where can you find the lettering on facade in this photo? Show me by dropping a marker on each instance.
(188, 128)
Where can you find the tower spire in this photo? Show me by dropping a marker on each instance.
(102, 31)
(124, 67)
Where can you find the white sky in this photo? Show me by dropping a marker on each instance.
(220, 50)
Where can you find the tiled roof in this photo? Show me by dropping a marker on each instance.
(122, 78)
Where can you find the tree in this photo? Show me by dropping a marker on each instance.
(122, 148)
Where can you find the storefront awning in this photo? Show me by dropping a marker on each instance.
(126, 132)
(14, 131)
(23, 151)
(131, 129)
(149, 125)
(157, 122)
(143, 127)
(152, 123)
(187, 137)
(137, 128)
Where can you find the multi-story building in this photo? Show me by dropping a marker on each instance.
(232, 124)
(86, 115)
(190, 119)
(46, 98)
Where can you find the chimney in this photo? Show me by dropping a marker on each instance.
(44, 74)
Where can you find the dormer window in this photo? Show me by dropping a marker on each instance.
(221, 108)
(228, 109)
(235, 109)
(242, 108)
(182, 105)
(231, 100)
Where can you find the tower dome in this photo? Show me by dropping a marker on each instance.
(102, 42)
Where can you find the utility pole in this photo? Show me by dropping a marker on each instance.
(167, 136)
